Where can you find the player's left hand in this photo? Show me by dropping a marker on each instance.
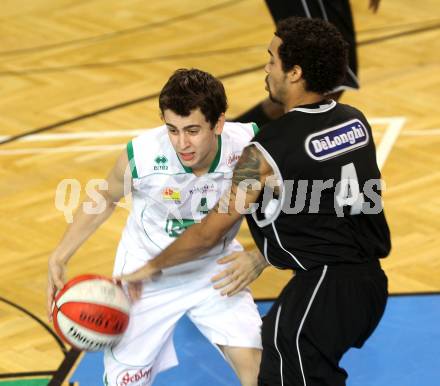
(55, 281)
(243, 268)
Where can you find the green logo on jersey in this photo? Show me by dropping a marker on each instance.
(175, 227)
(161, 163)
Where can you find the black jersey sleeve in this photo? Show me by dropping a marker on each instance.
(269, 141)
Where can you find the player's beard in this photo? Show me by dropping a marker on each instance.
(271, 96)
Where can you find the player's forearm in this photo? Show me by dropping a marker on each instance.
(192, 244)
(82, 227)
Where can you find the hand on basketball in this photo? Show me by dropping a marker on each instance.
(243, 268)
(55, 281)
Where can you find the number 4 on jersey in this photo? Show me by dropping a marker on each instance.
(348, 192)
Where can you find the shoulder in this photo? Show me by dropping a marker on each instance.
(147, 149)
(275, 131)
(350, 111)
(153, 139)
(150, 136)
(241, 132)
(235, 137)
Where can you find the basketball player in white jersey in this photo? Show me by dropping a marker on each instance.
(178, 173)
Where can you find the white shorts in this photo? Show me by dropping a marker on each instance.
(147, 346)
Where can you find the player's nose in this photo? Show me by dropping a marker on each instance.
(183, 141)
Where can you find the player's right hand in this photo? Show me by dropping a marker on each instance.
(55, 281)
(241, 269)
(134, 290)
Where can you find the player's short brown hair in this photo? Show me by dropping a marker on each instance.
(189, 89)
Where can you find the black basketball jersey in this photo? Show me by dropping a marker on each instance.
(325, 207)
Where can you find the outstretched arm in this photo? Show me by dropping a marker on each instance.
(200, 238)
(83, 226)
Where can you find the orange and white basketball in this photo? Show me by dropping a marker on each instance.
(91, 313)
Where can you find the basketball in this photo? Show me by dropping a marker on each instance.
(91, 313)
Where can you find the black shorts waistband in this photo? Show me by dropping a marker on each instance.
(372, 266)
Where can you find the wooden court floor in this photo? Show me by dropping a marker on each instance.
(78, 78)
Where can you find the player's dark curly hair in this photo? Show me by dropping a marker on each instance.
(188, 89)
(317, 47)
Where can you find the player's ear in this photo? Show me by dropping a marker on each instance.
(218, 128)
(295, 74)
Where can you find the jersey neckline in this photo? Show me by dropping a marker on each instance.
(316, 108)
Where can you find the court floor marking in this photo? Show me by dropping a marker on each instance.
(394, 126)
(81, 135)
(393, 129)
(64, 149)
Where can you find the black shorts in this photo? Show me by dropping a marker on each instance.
(337, 12)
(320, 314)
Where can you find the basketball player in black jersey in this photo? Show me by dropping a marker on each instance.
(311, 188)
(337, 12)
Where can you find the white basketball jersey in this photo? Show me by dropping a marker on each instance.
(167, 197)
